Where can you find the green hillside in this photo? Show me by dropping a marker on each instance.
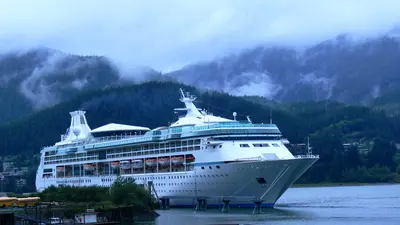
(389, 102)
(328, 124)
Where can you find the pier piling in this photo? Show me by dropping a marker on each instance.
(257, 207)
(165, 204)
(201, 204)
(225, 208)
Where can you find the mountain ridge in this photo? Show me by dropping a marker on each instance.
(328, 124)
(342, 69)
(323, 71)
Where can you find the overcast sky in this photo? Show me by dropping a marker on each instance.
(166, 34)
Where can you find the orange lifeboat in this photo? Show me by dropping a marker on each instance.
(189, 157)
(89, 167)
(151, 162)
(137, 163)
(115, 165)
(164, 161)
(177, 160)
(60, 169)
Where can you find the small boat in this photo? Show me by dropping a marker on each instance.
(137, 163)
(60, 169)
(164, 161)
(177, 160)
(151, 162)
(125, 165)
(189, 158)
(89, 167)
(115, 165)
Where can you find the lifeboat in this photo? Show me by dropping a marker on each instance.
(60, 169)
(89, 167)
(189, 158)
(164, 161)
(137, 163)
(151, 162)
(125, 165)
(177, 160)
(115, 165)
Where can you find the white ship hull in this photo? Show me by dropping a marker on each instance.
(236, 182)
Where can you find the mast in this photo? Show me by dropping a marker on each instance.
(188, 100)
(270, 115)
(79, 128)
(309, 152)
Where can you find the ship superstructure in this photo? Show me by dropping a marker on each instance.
(200, 156)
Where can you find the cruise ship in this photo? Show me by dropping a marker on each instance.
(199, 156)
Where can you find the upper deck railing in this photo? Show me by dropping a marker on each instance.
(186, 131)
(234, 127)
(306, 156)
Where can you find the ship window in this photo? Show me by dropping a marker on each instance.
(265, 145)
(257, 145)
(102, 154)
(261, 180)
(82, 120)
(209, 167)
(47, 170)
(244, 145)
(275, 145)
(217, 167)
(202, 167)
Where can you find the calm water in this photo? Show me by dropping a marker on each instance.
(321, 205)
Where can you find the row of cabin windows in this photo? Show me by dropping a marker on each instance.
(210, 167)
(169, 177)
(258, 145)
(155, 146)
(71, 156)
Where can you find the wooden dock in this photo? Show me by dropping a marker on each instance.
(42, 214)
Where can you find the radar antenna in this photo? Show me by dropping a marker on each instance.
(182, 93)
(309, 151)
(234, 115)
(190, 108)
(270, 115)
(187, 97)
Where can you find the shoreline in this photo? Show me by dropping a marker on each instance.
(339, 184)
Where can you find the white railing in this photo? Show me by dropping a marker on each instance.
(114, 138)
(167, 134)
(162, 135)
(306, 156)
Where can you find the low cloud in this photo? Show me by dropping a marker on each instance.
(166, 35)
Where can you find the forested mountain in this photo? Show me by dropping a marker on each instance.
(353, 71)
(151, 104)
(341, 69)
(41, 77)
(38, 78)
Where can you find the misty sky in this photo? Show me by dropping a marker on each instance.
(166, 34)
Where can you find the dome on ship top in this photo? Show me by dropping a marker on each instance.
(117, 129)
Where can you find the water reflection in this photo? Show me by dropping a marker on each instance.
(328, 205)
(235, 216)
